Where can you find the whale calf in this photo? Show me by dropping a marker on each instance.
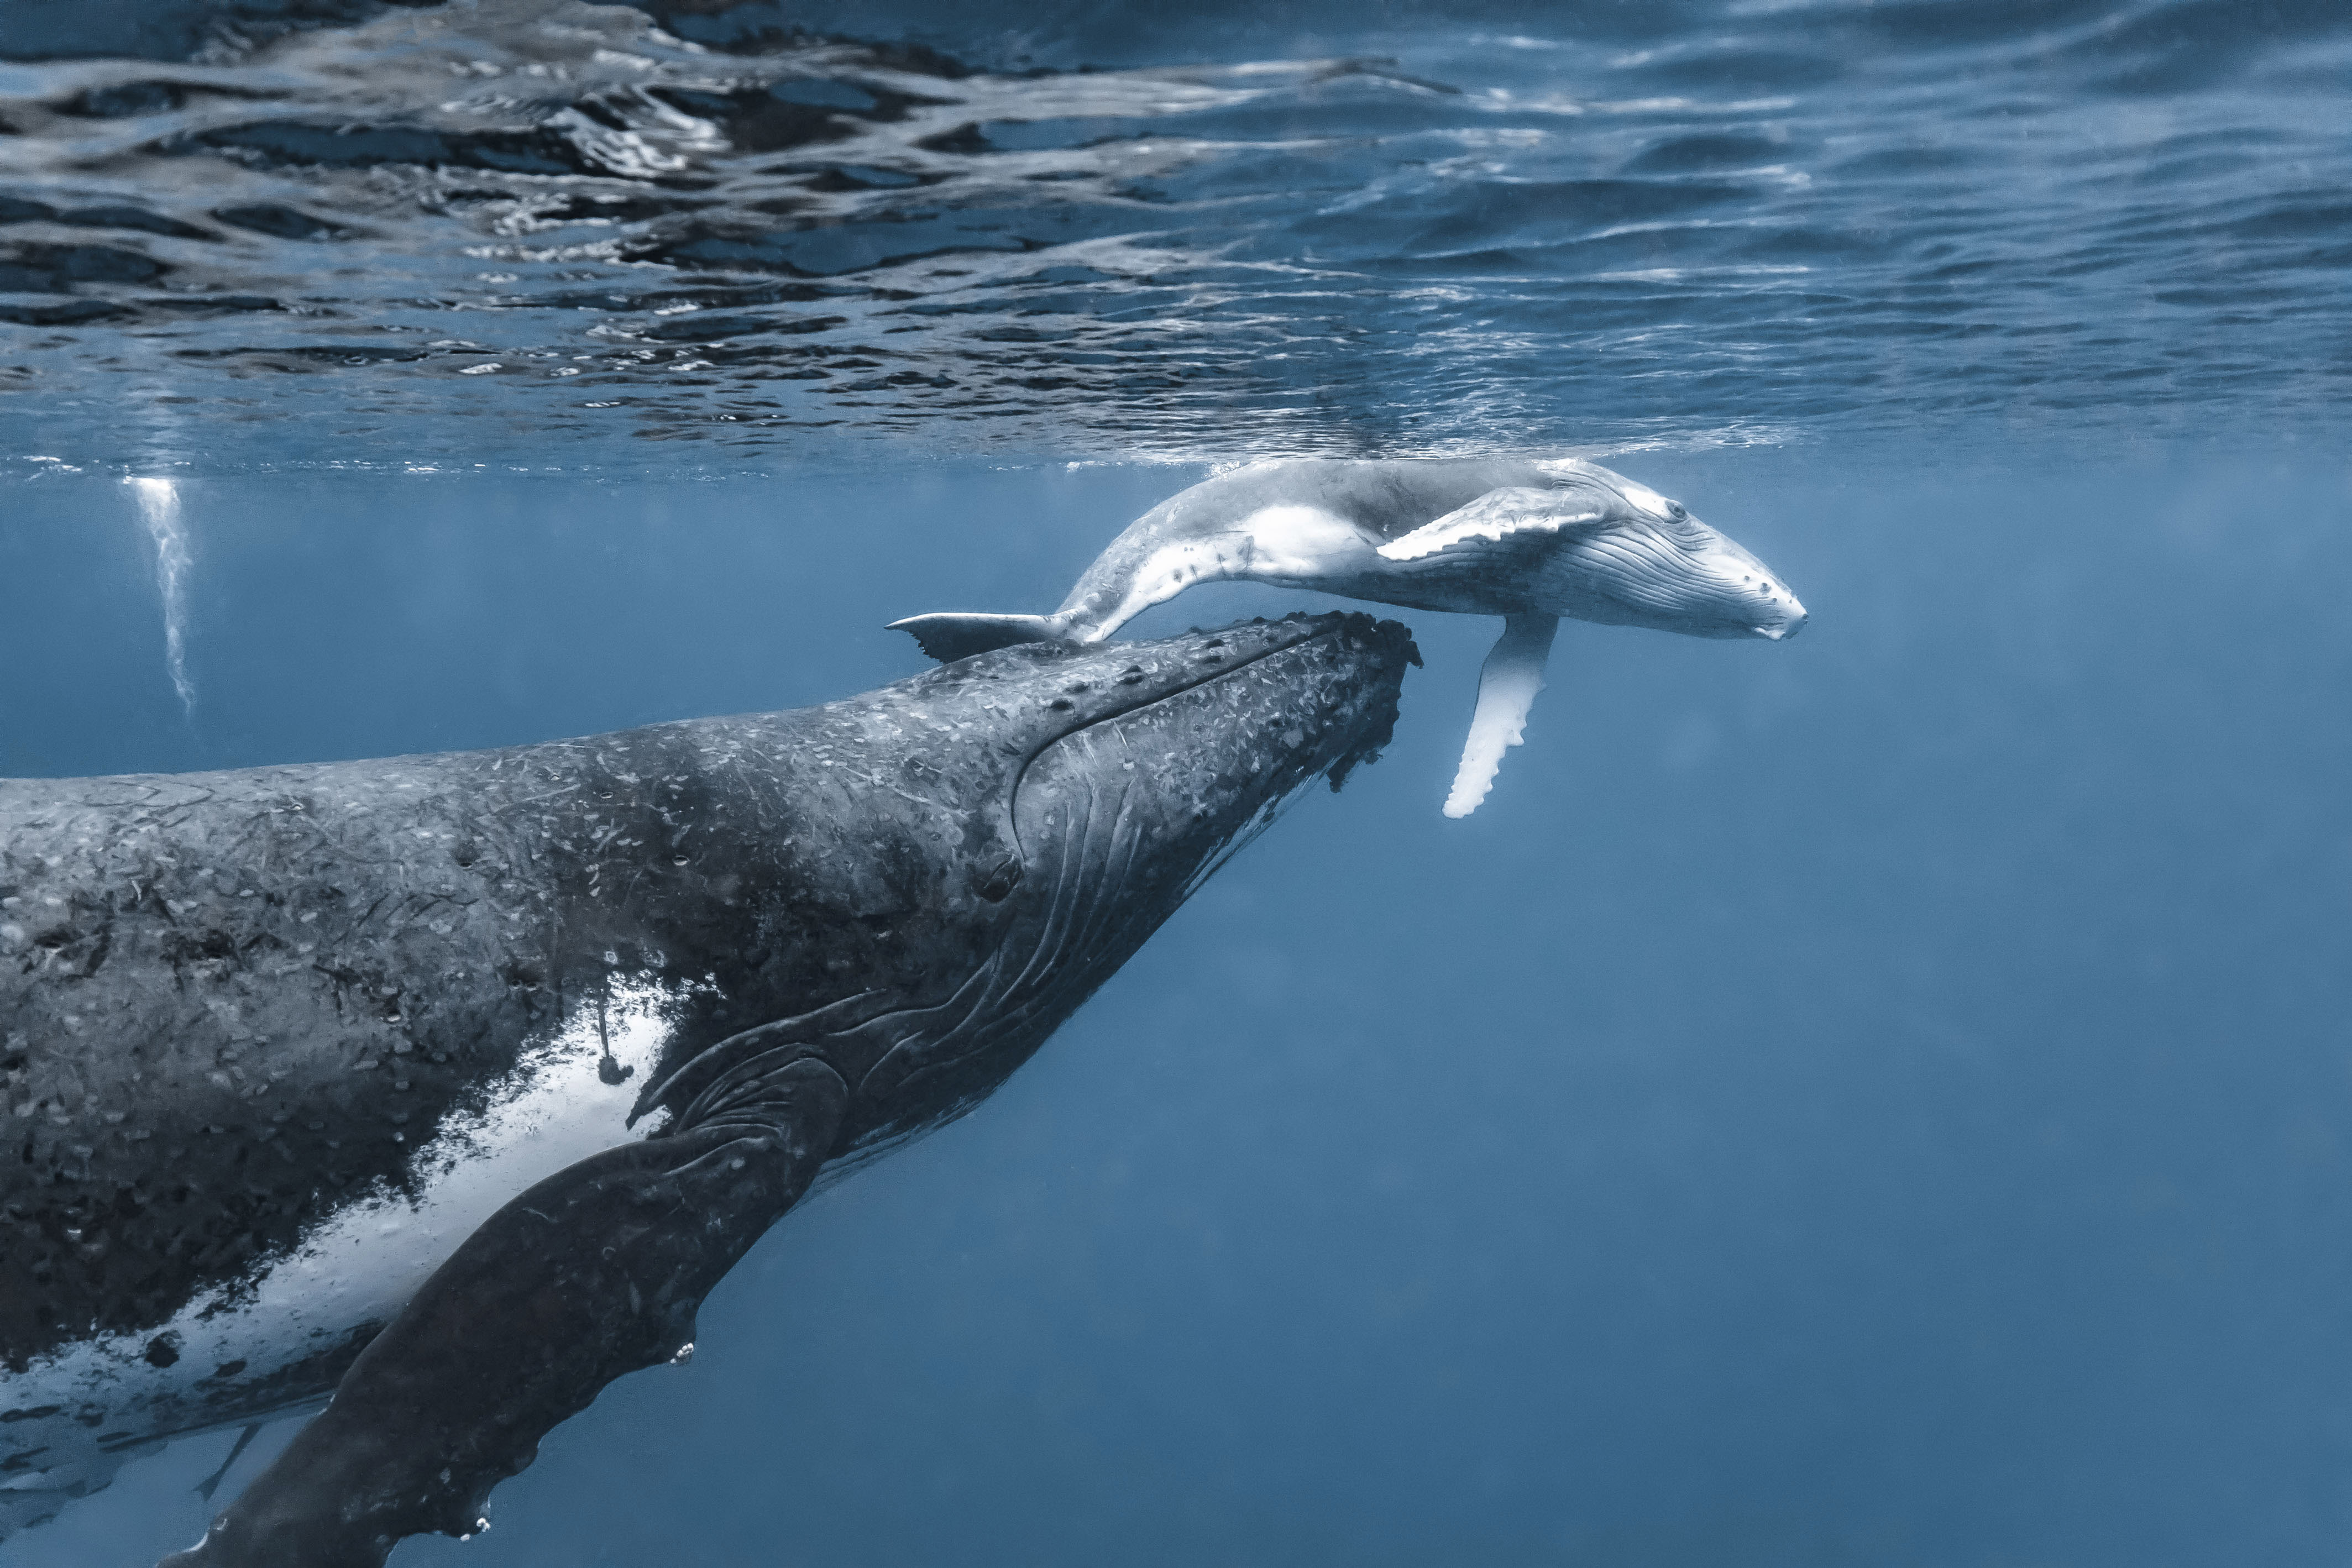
(452, 1084)
(1529, 541)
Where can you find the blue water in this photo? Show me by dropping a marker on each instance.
(1883, 1100)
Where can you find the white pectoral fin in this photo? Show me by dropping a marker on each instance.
(1507, 683)
(1513, 509)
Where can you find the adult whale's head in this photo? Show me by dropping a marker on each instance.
(1633, 558)
(1027, 818)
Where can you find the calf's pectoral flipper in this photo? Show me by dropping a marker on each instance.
(595, 1272)
(1509, 518)
(1507, 683)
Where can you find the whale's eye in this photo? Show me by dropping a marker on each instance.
(1675, 510)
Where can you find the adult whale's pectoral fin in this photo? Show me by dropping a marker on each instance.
(594, 1272)
(1493, 518)
(1507, 683)
(952, 636)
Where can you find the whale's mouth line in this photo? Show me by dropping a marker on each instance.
(1013, 794)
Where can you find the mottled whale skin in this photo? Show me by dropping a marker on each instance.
(461, 1078)
(1531, 540)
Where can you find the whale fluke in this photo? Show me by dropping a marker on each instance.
(1507, 683)
(953, 635)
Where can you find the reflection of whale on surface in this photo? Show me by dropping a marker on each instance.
(1531, 542)
(279, 1040)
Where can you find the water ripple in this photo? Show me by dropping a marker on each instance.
(542, 233)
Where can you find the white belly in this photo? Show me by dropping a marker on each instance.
(357, 1266)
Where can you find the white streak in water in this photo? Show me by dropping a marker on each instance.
(159, 504)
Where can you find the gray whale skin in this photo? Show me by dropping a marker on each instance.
(509, 1055)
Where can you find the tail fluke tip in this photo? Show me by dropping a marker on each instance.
(953, 635)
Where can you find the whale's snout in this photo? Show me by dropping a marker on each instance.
(1778, 615)
(1672, 573)
(1788, 626)
(1727, 592)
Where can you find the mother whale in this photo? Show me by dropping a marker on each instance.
(515, 1053)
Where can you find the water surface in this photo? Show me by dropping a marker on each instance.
(544, 234)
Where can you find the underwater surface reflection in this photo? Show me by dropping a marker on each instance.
(546, 234)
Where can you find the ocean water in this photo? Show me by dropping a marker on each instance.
(1883, 1100)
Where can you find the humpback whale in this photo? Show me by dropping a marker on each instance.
(1530, 542)
(453, 1083)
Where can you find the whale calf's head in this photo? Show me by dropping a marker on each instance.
(1644, 561)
